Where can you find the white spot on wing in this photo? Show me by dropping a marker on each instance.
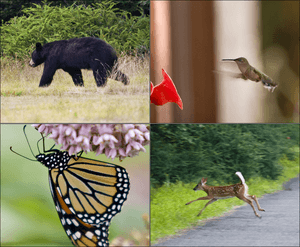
(89, 235)
(78, 234)
(75, 222)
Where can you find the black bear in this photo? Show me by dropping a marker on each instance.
(75, 54)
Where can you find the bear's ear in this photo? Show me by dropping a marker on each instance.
(38, 46)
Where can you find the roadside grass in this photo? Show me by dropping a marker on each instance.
(23, 101)
(169, 214)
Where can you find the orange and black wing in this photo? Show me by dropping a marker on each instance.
(87, 194)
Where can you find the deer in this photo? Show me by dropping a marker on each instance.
(214, 193)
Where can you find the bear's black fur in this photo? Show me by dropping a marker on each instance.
(75, 54)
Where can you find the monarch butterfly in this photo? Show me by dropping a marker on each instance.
(87, 193)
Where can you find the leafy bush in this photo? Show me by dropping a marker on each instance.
(45, 23)
(189, 152)
(11, 8)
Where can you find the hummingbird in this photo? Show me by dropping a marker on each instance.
(251, 73)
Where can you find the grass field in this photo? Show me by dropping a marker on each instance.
(22, 101)
(170, 215)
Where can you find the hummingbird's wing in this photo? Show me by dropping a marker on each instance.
(267, 82)
(231, 74)
(253, 74)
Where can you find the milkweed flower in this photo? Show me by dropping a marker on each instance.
(113, 140)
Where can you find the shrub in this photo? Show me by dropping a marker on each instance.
(189, 152)
(45, 23)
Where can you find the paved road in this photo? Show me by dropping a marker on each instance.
(279, 225)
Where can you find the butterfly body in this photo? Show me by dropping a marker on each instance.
(57, 159)
(87, 194)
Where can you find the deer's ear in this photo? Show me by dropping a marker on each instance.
(203, 180)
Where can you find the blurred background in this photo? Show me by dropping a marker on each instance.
(28, 215)
(190, 38)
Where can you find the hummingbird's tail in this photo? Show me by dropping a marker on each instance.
(268, 83)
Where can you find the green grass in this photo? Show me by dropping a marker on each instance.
(169, 214)
(23, 101)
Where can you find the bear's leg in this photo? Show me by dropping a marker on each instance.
(47, 76)
(76, 76)
(100, 76)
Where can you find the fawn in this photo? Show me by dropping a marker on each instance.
(221, 192)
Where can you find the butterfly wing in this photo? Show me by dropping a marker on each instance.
(87, 194)
(80, 233)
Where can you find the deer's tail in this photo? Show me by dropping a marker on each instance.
(239, 174)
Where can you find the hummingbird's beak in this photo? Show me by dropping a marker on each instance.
(228, 59)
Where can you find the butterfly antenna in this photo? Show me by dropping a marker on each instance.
(27, 140)
(21, 155)
(43, 138)
(43, 143)
(37, 144)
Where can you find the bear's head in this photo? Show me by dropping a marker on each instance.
(37, 57)
(124, 78)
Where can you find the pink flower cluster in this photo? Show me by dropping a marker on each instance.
(113, 140)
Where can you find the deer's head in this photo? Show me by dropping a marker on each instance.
(201, 184)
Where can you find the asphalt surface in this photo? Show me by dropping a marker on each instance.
(279, 225)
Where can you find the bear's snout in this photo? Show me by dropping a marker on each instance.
(31, 63)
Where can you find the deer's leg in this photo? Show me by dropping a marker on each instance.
(201, 198)
(245, 199)
(258, 206)
(211, 201)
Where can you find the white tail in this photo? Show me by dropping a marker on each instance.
(241, 177)
(221, 192)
